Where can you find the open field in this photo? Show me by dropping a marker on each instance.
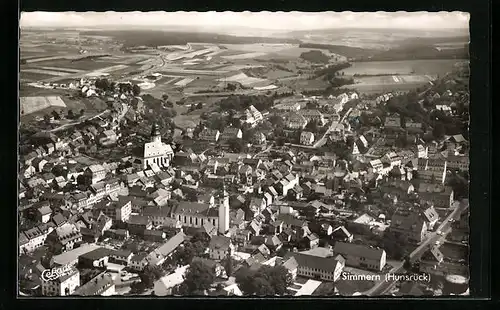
(32, 76)
(389, 84)
(30, 105)
(47, 72)
(434, 66)
(69, 70)
(301, 84)
(244, 56)
(184, 82)
(244, 79)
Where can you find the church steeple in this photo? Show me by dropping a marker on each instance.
(155, 133)
(223, 210)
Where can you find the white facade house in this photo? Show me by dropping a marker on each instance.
(306, 138)
(62, 286)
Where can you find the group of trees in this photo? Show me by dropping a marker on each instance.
(242, 102)
(185, 254)
(266, 281)
(107, 85)
(194, 107)
(198, 279)
(395, 245)
(315, 56)
(236, 145)
(459, 182)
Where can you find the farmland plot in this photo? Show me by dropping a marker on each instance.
(30, 105)
(31, 76)
(431, 67)
(61, 69)
(47, 72)
(184, 82)
(244, 56)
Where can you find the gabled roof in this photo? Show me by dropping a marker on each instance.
(328, 264)
(358, 250)
(220, 242)
(171, 244)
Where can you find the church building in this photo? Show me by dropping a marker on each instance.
(155, 151)
(194, 214)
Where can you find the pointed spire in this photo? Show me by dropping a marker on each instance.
(155, 130)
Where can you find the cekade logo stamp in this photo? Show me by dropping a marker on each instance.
(54, 273)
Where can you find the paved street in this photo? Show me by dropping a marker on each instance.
(445, 227)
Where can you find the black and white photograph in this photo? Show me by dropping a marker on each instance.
(243, 154)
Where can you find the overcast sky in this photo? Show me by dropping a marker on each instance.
(266, 20)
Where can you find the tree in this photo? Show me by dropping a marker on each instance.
(149, 275)
(277, 121)
(164, 97)
(263, 287)
(236, 145)
(46, 118)
(228, 265)
(267, 281)
(312, 126)
(199, 277)
(136, 90)
(70, 114)
(199, 106)
(56, 115)
(438, 131)
(82, 112)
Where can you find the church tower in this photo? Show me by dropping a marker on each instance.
(155, 133)
(223, 210)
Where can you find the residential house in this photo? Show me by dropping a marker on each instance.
(312, 115)
(306, 138)
(97, 258)
(160, 216)
(95, 173)
(293, 120)
(209, 135)
(64, 285)
(117, 210)
(432, 170)
(32, 239)
(341, 234)
(137, 224)
(101, 285)
(139, 261)
(44, 213)
(230, 133)
(458, 162)
(107, 137)
(409, 224)
(358, 255)
(215, 266)
(64, 238)
(441, 196)
(220, 247)
(315, 267)
(413, 127)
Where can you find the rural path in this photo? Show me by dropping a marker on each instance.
(382, 287)
(65, 126)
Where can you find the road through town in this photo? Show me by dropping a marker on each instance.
(382, 287)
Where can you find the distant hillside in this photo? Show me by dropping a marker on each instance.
(155, 38)
(315, 56)
(418, 52)
(350, 52)
(422, 50)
